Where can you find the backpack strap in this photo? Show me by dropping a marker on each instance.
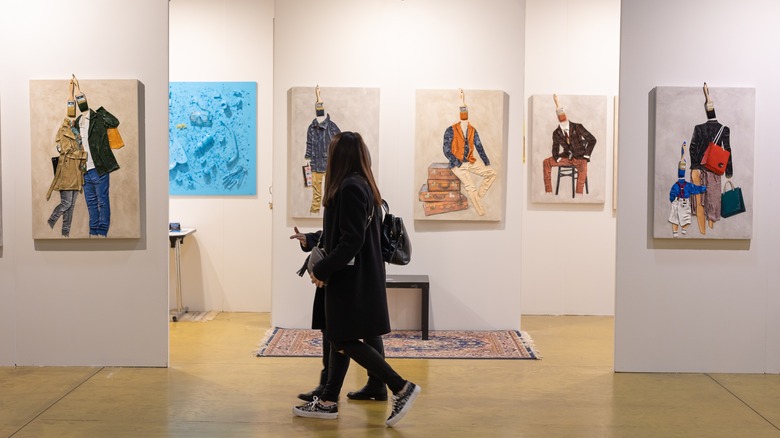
(717, 136)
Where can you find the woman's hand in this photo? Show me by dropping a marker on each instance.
(316, 282)
(300, 236)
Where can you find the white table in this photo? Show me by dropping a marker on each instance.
(177, 238)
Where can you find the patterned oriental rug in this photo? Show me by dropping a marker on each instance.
(496, 344)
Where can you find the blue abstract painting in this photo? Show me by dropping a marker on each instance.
(213, 138)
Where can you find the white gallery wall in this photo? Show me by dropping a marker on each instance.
(568, 250)
(703, 306)
(399, 47)
(226, 264)
(83, 302)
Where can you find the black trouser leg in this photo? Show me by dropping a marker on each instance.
(325, 361)
(371, 360)
(337, 370)
(375, 383)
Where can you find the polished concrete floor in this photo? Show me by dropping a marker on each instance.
(216, 388)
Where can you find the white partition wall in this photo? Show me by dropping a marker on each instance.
(7, 281)
(226, 264)
(706, 306)
(572, 47)
(401, 47)
(83, 302)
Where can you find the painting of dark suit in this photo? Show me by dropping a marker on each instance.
(586, 149)
(680, 116)
(571, 147)
(581, 143)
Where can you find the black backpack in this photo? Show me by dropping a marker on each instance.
(396, 246)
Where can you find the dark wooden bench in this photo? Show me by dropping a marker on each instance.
(414, 282)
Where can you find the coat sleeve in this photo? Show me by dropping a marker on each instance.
(694, 189)
(58, 141)
(447, 147)
(309, 143)
(725, 139)
(674, 192)
(311, 240)
(352, 216)
(558, 143)
(109, 119)
(480, 149)
(696, 149)
(589, 139)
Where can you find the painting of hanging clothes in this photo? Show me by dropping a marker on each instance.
(460, 149)
(723, 118)
(315, 116)
(212, 138)
(568, 149)
(84, 185)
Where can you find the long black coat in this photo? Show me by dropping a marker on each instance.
(355, 294)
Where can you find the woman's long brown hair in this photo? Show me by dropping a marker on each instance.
(347, 154)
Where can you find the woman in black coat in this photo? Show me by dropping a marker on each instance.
(374, 389)
(353, 276)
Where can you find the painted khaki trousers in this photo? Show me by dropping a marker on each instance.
(464, 174)
(316, 196)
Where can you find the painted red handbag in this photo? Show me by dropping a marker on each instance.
(716, 157)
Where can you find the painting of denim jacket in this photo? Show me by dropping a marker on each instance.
(318, 137)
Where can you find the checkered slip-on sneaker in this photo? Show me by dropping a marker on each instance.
(315, 409)
(402, 403)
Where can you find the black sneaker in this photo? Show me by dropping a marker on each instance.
(402, 402)
(315, 409)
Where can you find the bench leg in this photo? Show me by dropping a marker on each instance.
(424, 311)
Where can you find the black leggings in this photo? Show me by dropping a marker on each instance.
(367, 356)
(374, 383)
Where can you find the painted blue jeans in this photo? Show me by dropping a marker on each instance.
(64, 209)
(96, 195)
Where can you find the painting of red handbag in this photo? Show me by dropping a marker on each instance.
(716, 157)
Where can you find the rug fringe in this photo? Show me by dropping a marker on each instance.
(529, 344)
(265, 341)
(199, 316)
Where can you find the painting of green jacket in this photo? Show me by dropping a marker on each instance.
(72, 160)
(102, 155)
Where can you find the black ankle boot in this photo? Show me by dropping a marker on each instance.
(316, 392)
(369, 393)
